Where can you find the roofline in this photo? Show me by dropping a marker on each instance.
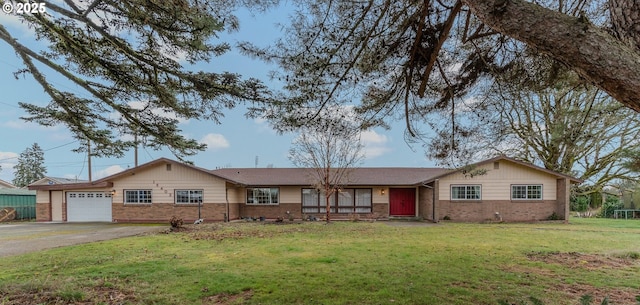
(66, 186)
(107, 181)
(8, 184)
(523, 163)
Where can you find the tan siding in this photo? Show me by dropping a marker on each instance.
(163, 184)
(58, 204)
(378, 197)
(291, 194)
(42, 196)
(496, 184)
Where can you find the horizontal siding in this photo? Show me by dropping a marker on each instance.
(163, 184)
(42, 196)
(496, 183)
(291, 194)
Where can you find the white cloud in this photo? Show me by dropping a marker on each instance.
(215, 141)
(24, 125)
(157, 111)
(114, 169)
(374, 144)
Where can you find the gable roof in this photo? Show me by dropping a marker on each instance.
(108, 181)
(303, 176)
(57, 180)
(505, 158)
(6, 185)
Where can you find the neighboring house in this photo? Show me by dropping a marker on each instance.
(56, 180)
(510, 190)
(6, 185)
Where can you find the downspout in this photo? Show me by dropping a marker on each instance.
(226, 198)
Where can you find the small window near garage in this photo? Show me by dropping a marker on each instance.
(496, 165)
(137, 196)
(466, 192)
(188, 196)
(263, 196)
(526, 192)
(168, 167)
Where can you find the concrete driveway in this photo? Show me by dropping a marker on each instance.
(20, 238)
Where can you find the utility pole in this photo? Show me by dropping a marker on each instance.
(89, 158)
(135, 140)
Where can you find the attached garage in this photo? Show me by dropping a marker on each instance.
(88, 207)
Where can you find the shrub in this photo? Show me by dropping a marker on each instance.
(580, 203)
(554, 216)
(176, 222)
(610, 205)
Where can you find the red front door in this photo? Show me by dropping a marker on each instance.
(402, 202)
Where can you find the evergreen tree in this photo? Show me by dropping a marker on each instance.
(120, 53)
(30, 167)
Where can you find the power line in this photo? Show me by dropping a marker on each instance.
(44, 150)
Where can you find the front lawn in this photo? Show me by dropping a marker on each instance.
(340, 263)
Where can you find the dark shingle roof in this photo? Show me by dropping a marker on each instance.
(303, 176)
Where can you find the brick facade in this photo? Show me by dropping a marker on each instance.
(162, 212)
(43, 211)
(509, 211)
(271, 211)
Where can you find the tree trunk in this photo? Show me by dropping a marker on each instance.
(625, 20)
(594, 54)
(328, 202)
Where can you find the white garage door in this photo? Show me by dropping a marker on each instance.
(88, 206)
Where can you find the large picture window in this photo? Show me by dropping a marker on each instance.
(137, 196)
(346, 201)
(263, 196)
(523, 192)
(466, 192)
(188, 196)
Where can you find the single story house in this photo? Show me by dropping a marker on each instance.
(56, 180)
(508, 190)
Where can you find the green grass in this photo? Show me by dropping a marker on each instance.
(341, 263)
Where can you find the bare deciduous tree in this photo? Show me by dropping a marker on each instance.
(329, 153)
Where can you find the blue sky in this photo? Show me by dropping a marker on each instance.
(236, 142)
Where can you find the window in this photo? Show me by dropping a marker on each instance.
(465, 192)
(519, 192)
(347, 201)
(188, 196)
(137, 196)
(263, 196)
